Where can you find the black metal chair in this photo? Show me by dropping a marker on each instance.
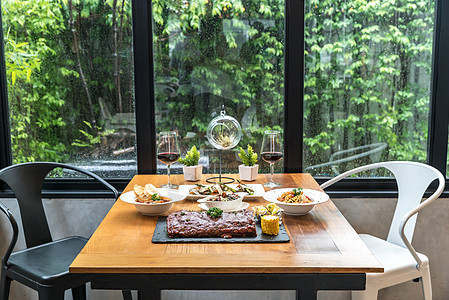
(44, 265)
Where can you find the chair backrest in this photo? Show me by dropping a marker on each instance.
(104, 110)
(26, 180)
(413, 179)
(15, 234)
(373, 151)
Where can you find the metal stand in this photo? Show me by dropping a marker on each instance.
(220, 178)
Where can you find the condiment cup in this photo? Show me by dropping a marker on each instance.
(224, 205)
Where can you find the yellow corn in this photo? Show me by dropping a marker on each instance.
(270, 224)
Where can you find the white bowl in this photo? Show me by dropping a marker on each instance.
(154, 209)
(317, 197)
(224, 205)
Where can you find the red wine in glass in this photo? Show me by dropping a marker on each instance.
(168, 157)
(168, 152)
(271, 152)
(271, 157)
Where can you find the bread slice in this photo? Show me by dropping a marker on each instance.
(145, 194)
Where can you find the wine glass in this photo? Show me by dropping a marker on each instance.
(271, 152)
(168, 153)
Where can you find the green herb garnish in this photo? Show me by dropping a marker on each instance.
(215, 212)
(155, 197)
(297, 192)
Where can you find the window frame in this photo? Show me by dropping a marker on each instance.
(437, 143)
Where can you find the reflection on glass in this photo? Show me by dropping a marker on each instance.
(214, 54)
(367, 83)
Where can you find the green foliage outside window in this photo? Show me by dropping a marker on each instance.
(368, 66)
(61, 57)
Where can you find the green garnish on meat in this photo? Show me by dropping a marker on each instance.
(214, 212)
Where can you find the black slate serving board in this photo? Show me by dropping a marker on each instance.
(161, 236)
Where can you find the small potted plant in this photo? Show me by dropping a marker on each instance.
(249, 169)
(192, 171)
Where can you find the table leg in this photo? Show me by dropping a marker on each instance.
(149, 294)
(306, 294)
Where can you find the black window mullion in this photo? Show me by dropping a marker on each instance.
(293, 85)
(144, 86)
(5, 135)
(439, 104)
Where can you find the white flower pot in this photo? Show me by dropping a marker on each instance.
(248, 173)
(192, 173)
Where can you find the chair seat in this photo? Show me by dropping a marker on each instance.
(396, 260)
(48, 263)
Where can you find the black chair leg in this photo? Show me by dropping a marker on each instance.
(79, 292)
(50, 293)
(5, 284)
(127, 295)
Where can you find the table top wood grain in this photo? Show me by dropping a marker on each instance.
(321, 241)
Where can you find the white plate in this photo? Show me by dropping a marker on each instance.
(259, 191)
(243, 205)
(296, 209)
(154, 209)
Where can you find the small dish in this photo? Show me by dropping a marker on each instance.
(154, 209)
(317, 197)
(243, 205)
(224, 205)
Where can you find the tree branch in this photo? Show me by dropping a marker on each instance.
(80, 68)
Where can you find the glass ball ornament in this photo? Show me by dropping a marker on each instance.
(224, 132)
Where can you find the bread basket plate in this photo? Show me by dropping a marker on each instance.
(154, 209)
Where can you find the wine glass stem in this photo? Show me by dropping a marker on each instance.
(219, 177)
(168, 173)
(271, 172)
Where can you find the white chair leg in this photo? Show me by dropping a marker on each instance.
(370, 293)
(426, 284)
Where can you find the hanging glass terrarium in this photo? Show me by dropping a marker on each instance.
(223, 132)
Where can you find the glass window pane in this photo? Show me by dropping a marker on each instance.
(211, 53)
(70, 83)
(367, 83)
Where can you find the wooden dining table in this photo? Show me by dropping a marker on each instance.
(324, 251)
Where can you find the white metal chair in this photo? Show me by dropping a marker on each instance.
(400, 260)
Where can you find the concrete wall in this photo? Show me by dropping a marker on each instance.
(81, 217)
